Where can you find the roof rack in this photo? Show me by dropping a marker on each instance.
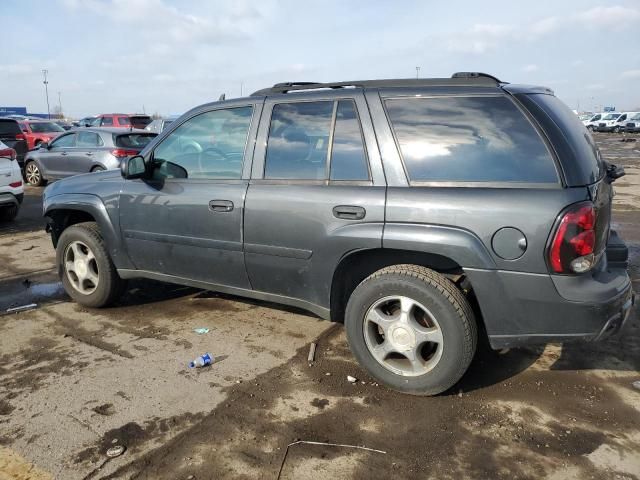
(457, 79)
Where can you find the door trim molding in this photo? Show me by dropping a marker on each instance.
(184, 240)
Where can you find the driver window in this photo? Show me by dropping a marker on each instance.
(64, 141)
(208, 146)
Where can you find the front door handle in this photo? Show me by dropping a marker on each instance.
(89, 153)
(220, 205)
(349, 212)
(63, 153)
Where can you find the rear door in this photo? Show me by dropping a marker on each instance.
(317, 193)
(86, 152)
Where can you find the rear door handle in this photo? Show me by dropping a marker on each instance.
(89, 153)
(63, 153)
(220, 205)
(349, 212)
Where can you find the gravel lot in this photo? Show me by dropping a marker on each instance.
(75, 381)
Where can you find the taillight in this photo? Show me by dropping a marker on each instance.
(123, 152)
(16, 184)
(9, 153)
(574, 241)
(20, 136)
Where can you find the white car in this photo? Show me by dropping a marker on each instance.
(592, 122)
(621, 122)
(607, 122)
(11, 187)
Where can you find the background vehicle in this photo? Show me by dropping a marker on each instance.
(159, 124)
(11, 188)
(607, 122)
(83, 151)
(633, 125)
(65, 125)
(585, 116)
(121, 120)
(38, 131)
(11, 135)
(592, 123)
(85, 122)
(374, 205)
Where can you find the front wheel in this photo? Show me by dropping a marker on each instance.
(590, 128)
(85, 268)
(32, 174)
(616, 129)
(97, 168)
(412, 329)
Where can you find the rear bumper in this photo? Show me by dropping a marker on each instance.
(10, 199)
(523, 309)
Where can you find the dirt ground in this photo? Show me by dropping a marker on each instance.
(75, 382)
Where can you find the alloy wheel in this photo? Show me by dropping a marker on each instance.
(403, 336)
(81, 267)
(32, 173)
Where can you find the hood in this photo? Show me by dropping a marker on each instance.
(89, 183)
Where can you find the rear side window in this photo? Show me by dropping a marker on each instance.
(469, 139)
(107, 121)
(89, 139)
(124, 121)
(133, 140)
(9, 127)
(300, 142)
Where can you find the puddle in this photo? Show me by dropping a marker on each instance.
(39, 289)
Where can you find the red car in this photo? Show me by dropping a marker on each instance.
(38, 131)
(121, 120)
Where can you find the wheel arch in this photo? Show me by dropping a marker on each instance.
(62, 211)
(354, 267)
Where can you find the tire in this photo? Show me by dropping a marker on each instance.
(32, 174)
(590, 128)
(437, 305)
(616, 129)
(97, 168)
(99, 284)
(8, 214)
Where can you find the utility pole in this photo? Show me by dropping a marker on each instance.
(46, 90)
(241, 84)
(417, 72)
(60, 102)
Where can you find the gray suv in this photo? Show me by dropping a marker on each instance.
(421, 213)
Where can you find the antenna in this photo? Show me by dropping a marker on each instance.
(222, 98)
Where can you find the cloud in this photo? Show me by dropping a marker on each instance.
(577, 63)
(545, 26)
(603, 17)
(530, 68)
(630, 74)
(595, 86)
(480, 38)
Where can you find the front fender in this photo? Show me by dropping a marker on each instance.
(460, 245)
(94, 206)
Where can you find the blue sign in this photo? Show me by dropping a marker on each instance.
(609, 109)
(13, 111)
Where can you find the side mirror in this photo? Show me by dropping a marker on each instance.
(133, 167)
(44, 145)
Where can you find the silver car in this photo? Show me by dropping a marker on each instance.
(159, 124)
(83, 151)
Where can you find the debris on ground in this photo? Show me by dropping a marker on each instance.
(22, 308)
(201, 361)
(636, 384)
(351, 379)
(312, 352)
(115, 451)
(201, 330)
(325, 444)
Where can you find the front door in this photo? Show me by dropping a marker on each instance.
(56, 159)
(186, 219)
(317, 193)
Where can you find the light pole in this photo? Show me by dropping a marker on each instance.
(417, 72)
(46, 91)
(60, 102)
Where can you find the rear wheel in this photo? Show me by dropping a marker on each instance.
(86, 270)
(97, 168)
(412, 329)
(7, 214)
(32, 174)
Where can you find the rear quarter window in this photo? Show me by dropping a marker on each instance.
(469, 139)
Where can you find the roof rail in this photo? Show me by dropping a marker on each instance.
(475, 75)
(458, 79)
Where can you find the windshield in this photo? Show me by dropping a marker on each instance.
(44, 127)
(611, 116)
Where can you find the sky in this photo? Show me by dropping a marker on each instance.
(167, 56)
